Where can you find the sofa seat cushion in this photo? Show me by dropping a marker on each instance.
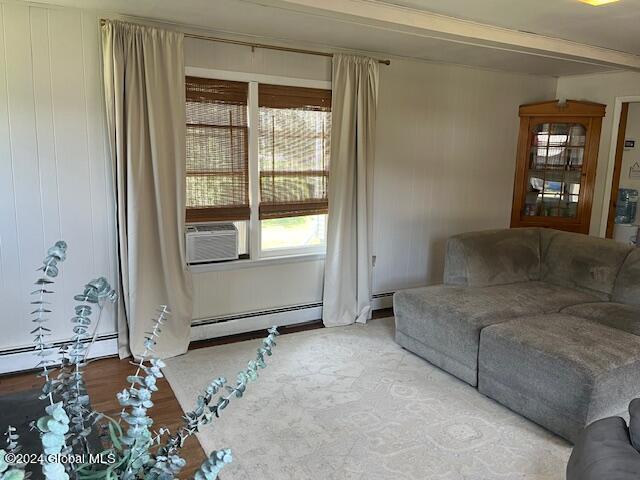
(603, 452)
(442, 323)
(560, 371)
(616, 315)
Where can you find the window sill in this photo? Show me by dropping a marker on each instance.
(263, 262)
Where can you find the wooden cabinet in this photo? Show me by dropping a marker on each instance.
(556, 165)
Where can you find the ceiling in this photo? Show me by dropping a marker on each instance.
(406, 28)
(614, 26)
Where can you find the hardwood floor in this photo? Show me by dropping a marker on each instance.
(105, 377)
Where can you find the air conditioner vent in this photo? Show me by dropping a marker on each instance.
(212, 242)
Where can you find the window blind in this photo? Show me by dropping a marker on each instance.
(217, 170)
(294, 145)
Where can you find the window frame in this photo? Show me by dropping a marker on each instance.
(256, 254)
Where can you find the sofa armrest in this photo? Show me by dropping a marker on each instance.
(493, 257)
(603, 451)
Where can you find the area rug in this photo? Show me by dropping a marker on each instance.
(348, 403)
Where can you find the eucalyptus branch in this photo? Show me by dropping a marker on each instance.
(212, 466)
(94, 336)
(12, 440)
(193, 419)
(217, 460)
(149, 343)
(72, 385)
(56, 254)
(100, 292)
(137, 398)
(17, 470)
(11, 471)
(204, 413)
(53, 428)
(134, 454)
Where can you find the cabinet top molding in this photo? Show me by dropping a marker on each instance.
(569, 108)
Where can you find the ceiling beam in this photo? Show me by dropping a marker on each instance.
(430, 25)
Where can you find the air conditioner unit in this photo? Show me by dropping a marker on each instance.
(212, 242)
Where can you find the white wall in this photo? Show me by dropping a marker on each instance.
(54, 174)
(445, 161)
(602, 88)
(632, 156)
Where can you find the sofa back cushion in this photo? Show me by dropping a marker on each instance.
(582, 262)
(627, 288)
(493, 257)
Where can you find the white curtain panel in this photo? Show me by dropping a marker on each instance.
(145, 106)
(348, 265)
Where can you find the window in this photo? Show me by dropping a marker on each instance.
(294, 133)
(304, 232)
(282, 165)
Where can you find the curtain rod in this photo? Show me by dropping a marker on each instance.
(261, 45)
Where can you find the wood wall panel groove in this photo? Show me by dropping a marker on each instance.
(8, 239)
(92, 210)
(37, 140)
(53, 167)
(17, 76)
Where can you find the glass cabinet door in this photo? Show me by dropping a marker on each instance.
(556, 164)
(555, 170)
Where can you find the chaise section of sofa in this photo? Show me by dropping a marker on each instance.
(442, 324)
(546, 322)
(559, 370)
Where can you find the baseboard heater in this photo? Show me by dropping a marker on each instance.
(24, 358)
(224, 325)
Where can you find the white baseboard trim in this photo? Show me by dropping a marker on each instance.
(25, 358)
(252, 321)
(226, 325)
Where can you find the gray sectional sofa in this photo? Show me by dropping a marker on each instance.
(545, 322)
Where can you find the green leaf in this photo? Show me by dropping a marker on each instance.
(56, 427)
(13, 474)
(42, 424)
(3, 463)
(135, 379)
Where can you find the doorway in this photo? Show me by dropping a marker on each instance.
(623, 217)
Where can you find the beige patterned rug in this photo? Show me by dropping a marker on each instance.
(347, 403)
